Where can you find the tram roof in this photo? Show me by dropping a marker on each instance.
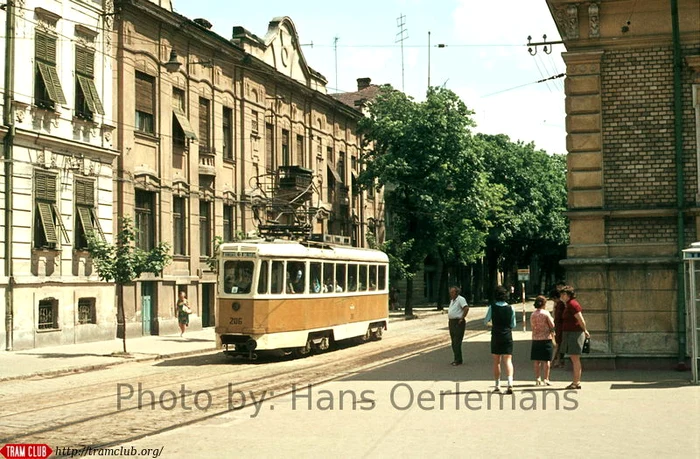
(294, 249)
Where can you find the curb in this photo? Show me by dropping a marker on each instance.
(102, 366)
(156, 357)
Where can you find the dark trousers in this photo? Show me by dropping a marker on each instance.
(457, 327)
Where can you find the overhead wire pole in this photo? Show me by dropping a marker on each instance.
(335, 51)
(428, 59)
(402, 35)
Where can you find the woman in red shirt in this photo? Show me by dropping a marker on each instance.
(575, 333)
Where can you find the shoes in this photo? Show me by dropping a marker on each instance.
(454, 364)
(546, 382)
(538, 382)
(496, 390)
(574, 386)
(509, 391)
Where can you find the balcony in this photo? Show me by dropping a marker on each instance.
(207, 164)
(294, 183)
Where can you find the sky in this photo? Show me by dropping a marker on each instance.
(485, 59)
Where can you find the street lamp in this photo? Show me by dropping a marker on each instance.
(173, 65)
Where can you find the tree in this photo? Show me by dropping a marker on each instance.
(434, 182)
(531, 220)
(123, 262)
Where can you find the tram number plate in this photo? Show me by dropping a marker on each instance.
(235, 321)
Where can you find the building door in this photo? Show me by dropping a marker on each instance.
(207, 305)
(147, 302)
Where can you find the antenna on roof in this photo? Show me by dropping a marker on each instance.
(335, 50)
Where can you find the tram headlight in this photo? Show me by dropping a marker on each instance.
(236, 306)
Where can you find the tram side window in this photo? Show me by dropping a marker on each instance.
(340, 277)
(277, 278)
(296, 280)
(315, 278)
(238, 276)
(362, 285)
(373, 277)
(262, 279)
(352, 278)
(382, 278)
(328, 279)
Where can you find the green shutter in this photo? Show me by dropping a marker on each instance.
(90, 92)
(46, 218)
(84, 193)
(96, 222)
(52, 82)
(86, 220)
(84, 62)
(59, 222)
(45, 48)
(45, 186)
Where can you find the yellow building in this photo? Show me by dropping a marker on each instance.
(632, 119)
(209, 129)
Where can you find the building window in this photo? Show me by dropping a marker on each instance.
(329, 155)
(353, 163)
(204, 126)
(269, 148)
(86, 311)
(255, 119)
(285, 147)
(145, 103)
(300, 150)
(47, 221)
(48, 314)
(228, 223)
(86, 222)
(145, 220)
(205, 228)
(227, 126)
(47, 86)
(182, 129)
(179, 226)
(341, 167)
(87, 100)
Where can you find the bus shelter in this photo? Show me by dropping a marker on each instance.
(691, 258)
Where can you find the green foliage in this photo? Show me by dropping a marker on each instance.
(122, 262)
(436, 190)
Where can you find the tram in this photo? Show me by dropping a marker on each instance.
(298, 297)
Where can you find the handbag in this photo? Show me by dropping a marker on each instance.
(586, 346)
(187, 309)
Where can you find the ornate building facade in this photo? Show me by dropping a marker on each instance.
(632, 118)
(221, 137)
(57, 172)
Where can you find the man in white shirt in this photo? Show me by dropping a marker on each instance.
(457, 318)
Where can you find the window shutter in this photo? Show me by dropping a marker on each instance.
(45, 187)
(184, 124)
(144, 93)
(46, 218)
(204, 124)
(87, 85)
(59, 223)
(97, 225)
(86, 220)
(84, 193)
(52, 82)
(81, 57)
(45, 48)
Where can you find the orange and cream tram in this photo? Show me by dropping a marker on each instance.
(296, 297)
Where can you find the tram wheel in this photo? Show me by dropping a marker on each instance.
(377, 334)
(324, 344)
(302, 351)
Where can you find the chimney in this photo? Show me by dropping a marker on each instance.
(363, 83)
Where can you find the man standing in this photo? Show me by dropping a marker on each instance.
(457, 315)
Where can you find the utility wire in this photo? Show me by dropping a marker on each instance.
(561, 75)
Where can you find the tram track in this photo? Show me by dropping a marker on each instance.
(93, 418)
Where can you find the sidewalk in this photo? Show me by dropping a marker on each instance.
(74, 358)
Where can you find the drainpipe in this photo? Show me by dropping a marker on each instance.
(678, 130)
(8, 121)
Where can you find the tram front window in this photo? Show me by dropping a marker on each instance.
(238, 276)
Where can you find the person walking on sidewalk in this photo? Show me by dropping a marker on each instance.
(559, 307)
(183, 312)
(575, 333)
(502, 317)
(542, 326)
(457, 322)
